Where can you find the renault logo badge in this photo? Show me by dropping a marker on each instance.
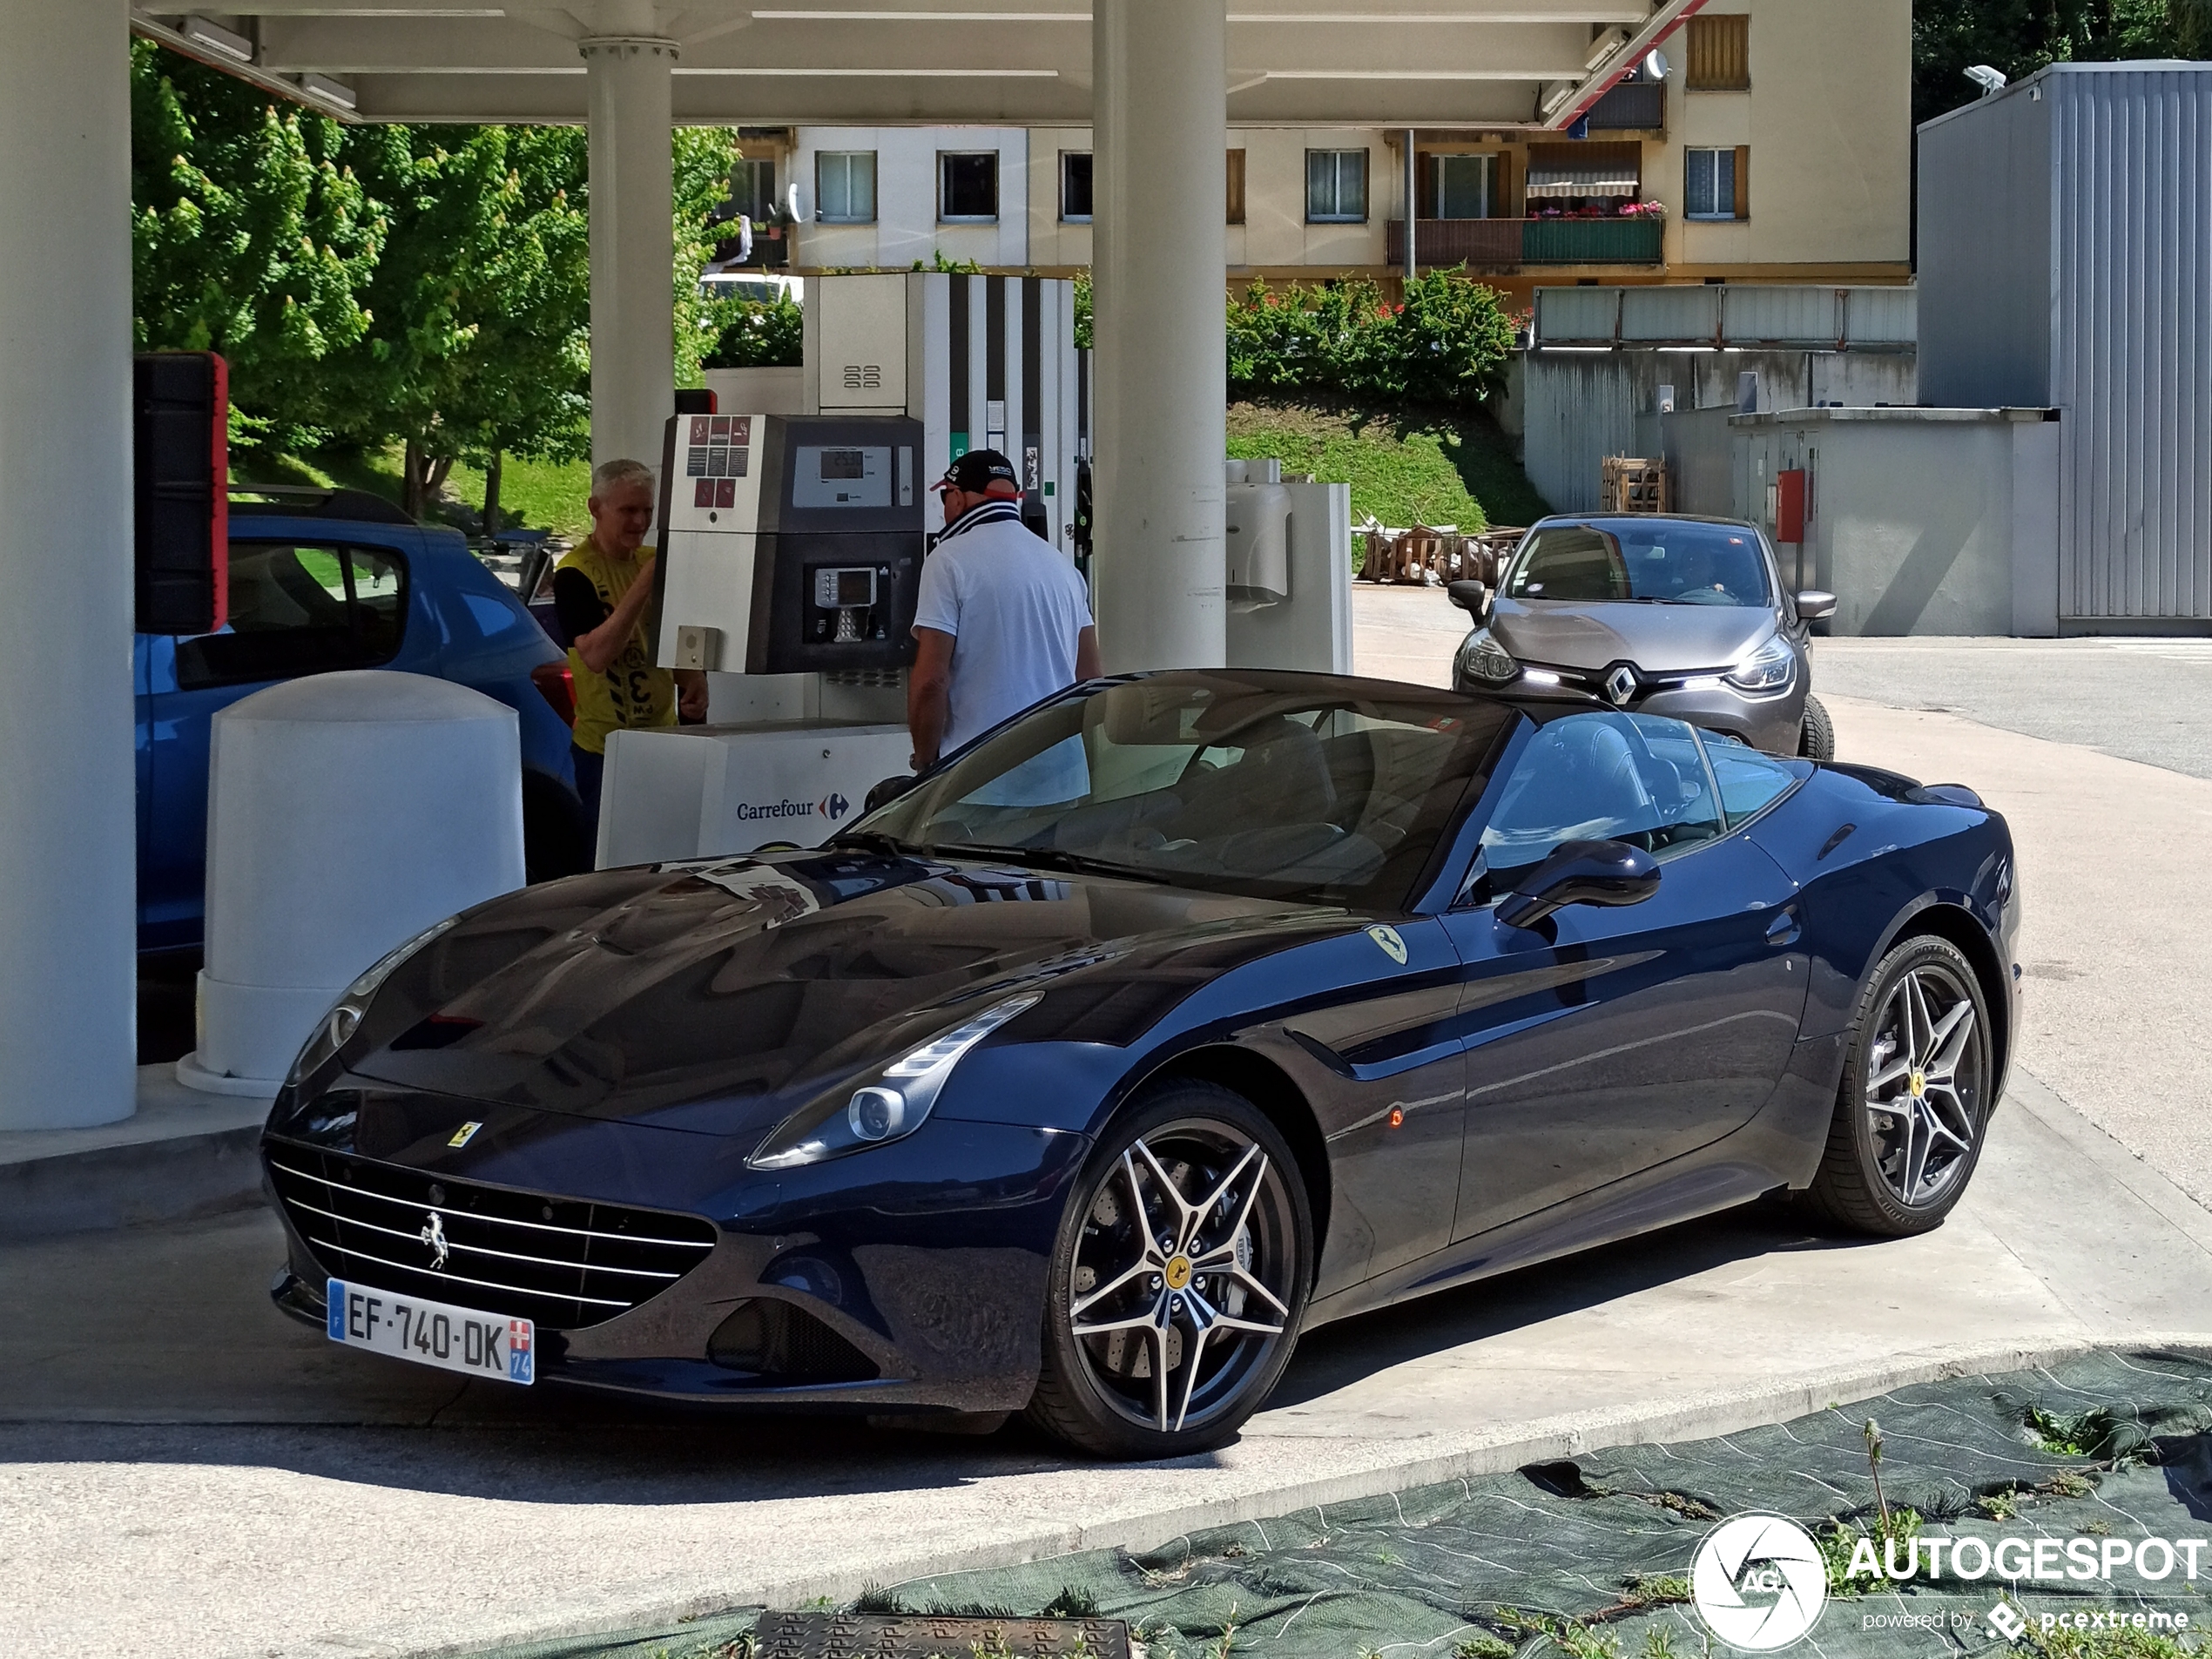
(1621, 686)
(434, 1234)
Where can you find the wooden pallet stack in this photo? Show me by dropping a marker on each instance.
(1632, 484)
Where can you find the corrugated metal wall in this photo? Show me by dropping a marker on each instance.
(2066, 261)
(2132, 341)
(1806, 315)
(1578, 406)
(1984, 270)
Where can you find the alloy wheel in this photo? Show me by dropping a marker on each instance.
(1183, 1276)
(1925, 1083)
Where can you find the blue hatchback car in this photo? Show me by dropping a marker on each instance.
(330, 579)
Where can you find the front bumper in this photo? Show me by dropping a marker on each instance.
(911, 1276)
(1774, 723)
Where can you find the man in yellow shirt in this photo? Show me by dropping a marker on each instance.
(601, 590)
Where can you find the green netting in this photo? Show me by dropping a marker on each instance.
(1590, 1557)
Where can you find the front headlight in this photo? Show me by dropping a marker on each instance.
(1483, 658)
(1768, 670)
(893, 1106)
(345, 1016)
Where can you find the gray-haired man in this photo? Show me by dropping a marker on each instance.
(601, 590)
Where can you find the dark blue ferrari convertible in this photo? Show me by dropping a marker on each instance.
(1175, 1016)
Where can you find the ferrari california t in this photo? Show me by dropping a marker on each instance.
(1181, 1014)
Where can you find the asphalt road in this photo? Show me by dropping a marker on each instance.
(2138, 699)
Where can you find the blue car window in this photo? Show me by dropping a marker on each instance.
(1602, 777)
(1749, 781)
(299, 608)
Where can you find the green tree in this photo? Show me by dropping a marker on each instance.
(704, 159)
(1444, 345)
(2020, 36)
(250, 237)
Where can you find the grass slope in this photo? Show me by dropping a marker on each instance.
(534, 495)
(1408, 466)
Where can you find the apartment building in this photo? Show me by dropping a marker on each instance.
(1773, 144)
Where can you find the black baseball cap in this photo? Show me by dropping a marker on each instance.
(977, 470)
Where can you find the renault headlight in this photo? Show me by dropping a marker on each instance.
(889, 1108)
(345, 1016)
(1483, 659)
(1768, 670)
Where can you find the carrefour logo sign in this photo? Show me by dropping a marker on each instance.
(831, 806)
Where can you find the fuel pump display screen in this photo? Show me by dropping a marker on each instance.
(844, 590)
(840, 476)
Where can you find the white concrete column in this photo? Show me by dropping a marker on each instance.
(68, 819)
(1412, 205)
(1160, 239)
(633, 304)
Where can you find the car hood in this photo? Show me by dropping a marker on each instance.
(714, 996)
(1658, 638)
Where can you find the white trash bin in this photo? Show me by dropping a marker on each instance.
(345, 812)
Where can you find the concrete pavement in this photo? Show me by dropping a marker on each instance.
(179, 1464)
(184, 1465)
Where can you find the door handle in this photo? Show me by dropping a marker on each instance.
(1785, 929)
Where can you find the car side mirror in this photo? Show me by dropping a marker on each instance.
(888, 790)
(1815, 606)
(1601, 873)
(1471, 596)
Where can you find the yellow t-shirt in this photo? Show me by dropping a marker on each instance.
(632, 692)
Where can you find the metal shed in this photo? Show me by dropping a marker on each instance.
(2066, 262)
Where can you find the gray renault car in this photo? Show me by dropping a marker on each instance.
(1654, 614)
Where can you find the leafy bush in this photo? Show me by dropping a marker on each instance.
(1444, 345)
(757, 333)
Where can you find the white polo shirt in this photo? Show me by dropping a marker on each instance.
(1015, 607)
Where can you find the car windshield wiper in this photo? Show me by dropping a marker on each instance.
(1049, 857)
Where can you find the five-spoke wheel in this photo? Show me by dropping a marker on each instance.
(1179, 1279)
(1915, 1096)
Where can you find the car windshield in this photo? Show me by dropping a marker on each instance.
(1274, 786)
(1664, 561)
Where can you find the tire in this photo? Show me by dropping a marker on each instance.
(1927, 1099)
(1816, 737)
(1171, 1368)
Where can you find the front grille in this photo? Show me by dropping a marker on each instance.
(564, 1262)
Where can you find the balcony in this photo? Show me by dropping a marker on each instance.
(1631, 106)
(1504, 244)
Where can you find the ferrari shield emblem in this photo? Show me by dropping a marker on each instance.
(1392, 946)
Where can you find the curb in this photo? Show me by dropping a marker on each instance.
(1726, 1412)
(181, 1155)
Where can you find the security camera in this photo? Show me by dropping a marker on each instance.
(1990, 80)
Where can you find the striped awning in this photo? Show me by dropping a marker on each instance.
(1604, 169)
(1584, 181)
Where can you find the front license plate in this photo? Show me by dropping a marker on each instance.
(433, 1333)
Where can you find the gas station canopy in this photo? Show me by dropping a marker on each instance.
(1487, 64)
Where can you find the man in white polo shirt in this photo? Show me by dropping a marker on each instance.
(1003, 618)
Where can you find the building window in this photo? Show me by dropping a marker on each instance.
(1236, 187)
(845, 186)
(1719, 54)
(1075, 186)
(1336, 186)
(968, 186)
(1463, 186)
(752, 188)
(1717, 184)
